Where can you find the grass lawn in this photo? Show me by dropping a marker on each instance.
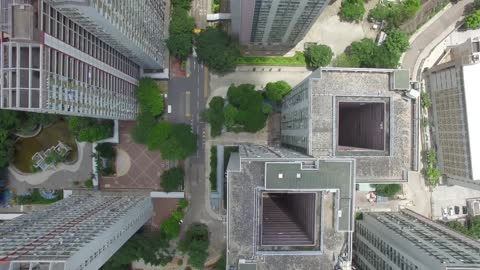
(297, 60)
(25, 148)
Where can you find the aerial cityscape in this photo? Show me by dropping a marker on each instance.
(239, 134)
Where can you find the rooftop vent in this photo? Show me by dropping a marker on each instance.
(280, 176)
(299, 175)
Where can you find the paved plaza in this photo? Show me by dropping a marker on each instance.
(146, 166)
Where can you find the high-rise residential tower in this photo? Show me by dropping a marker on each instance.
(453, 83)
(273, 22)
(77, 233)
(79, 57)
(409, 241)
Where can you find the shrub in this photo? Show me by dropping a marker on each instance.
(387, 190)
(297, 60)
(53, 158)
(149, 97)
(318, 56)
(352, 10)
(172, 180)
(105, 150)
(425, 100)
(433, 175)
(145, 123)
(88, 183)
(183, 203)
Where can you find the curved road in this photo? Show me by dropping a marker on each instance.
(433, 35)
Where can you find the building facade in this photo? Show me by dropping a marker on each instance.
(274, 22)
(409, 241)
(78, 57)
(78, 232)
(453, 84)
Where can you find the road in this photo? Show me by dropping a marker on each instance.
(432, 33)
(178, 97)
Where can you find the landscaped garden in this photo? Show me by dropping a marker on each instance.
(39, 196)
(50, 136)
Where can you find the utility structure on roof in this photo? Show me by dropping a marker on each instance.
(77, 233)
(79, 57)
(453, 83)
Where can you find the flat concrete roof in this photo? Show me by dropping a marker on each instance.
(246, 180)
(333, 85)
(471, 81)
(329, 175)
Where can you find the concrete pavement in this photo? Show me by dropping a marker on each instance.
(431, 36)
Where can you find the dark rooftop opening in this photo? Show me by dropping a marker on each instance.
(361, 126)
(288, 219)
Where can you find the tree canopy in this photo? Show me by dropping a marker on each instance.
(172, 179)
(185, 4)
(180, 33)
(216, 49)
(175, 141)
(195, 244)
(245, 112)
(90, 129)
(275, 91)
(472, 21)
(366, 53)
(352, 10)
(145, 123)
(395, 13)
(214, 115)
(318, 56)
(149, 97)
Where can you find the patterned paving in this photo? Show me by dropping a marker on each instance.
(146, 166)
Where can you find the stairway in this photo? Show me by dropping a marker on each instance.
(279, 228)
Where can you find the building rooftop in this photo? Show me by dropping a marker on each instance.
(329, 88)
(250, 181)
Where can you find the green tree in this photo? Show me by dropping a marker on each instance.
(172, 179)
(318, 56)
(180, 143)
(184, 4)
(364, 51)
(9, 120)
(472, 21)
(431, 158)
(145, 123)
(7, 149)
(149, 97)
(180, 33)
(275, 91)
(352, 10)
(171, 227)
(195, 244)
(230, 117)
(396, 42)
(267, 108)
(387, 190)
(214, 115)
(248, 102)
(158, 135)
(90, 129)
(345, 60)
(216, 49)
(180, 45)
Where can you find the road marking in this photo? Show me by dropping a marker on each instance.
(205, 82)
(187, 104)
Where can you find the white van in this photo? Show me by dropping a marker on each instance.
(169, 109)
